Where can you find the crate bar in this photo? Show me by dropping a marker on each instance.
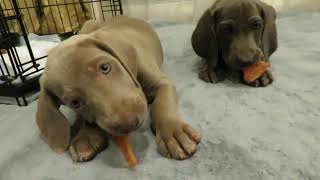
(17, 11)
(120, 5)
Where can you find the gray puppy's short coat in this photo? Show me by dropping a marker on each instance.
(234, 34)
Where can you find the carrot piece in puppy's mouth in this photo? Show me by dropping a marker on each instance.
(254, 71)
(123, 143)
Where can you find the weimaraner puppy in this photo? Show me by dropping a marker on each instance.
(234, 34)
(107, 74)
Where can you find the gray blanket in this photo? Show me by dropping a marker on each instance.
(248, 133)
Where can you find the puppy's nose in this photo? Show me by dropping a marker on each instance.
(247, 60)
(244, 64)
(129, 122)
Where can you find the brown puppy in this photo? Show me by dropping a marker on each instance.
(106, 74)
(234, 34)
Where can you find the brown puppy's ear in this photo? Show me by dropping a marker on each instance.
(51, 122)
(204, 40)
(269, 37)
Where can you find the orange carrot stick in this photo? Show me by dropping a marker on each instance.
(126, 149)
(254, 71)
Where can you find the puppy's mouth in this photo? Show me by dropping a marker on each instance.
(122, 128)
(239, 64)
(239, 60)
(126, 128)
(243, 65)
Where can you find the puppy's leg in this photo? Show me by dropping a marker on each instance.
(87, 142)
(211, 75)
(175, 138)
(264, 80)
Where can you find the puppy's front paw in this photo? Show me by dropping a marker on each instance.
(177, 140)
(87, 144)
(264, 80)
(210, 75)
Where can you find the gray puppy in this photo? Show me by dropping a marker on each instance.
(234, 34)
(107, 75)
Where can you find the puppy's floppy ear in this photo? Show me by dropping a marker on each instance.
(51, 122)
(204, 38)
(269, 37)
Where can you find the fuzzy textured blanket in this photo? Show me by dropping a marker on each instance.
(248, 133)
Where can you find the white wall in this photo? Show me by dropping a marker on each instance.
(188, 10)
(180, 10)
(279, 5)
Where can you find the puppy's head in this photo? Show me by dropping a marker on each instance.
(241, 32)
(239, 27)
(96, 81)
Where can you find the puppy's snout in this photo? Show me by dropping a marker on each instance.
(244, 64)
(247, 59)
(128, 123)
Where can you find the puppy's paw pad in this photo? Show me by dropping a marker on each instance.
(162, 147)
(210, 75)
(264, 80)
(180, 142)
(87, 144)
(98, 141)
(176, 151)
(81, 150)
(192, 133)
(203, 75)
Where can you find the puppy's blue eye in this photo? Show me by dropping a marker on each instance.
(76, 103)
(227, 29)
(105, 68)
(256, 25)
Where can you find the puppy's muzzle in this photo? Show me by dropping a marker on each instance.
(129, 122)
(245, 60)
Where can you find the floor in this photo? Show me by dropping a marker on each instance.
(248, 133)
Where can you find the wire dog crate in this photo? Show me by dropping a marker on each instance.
(20, 18)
